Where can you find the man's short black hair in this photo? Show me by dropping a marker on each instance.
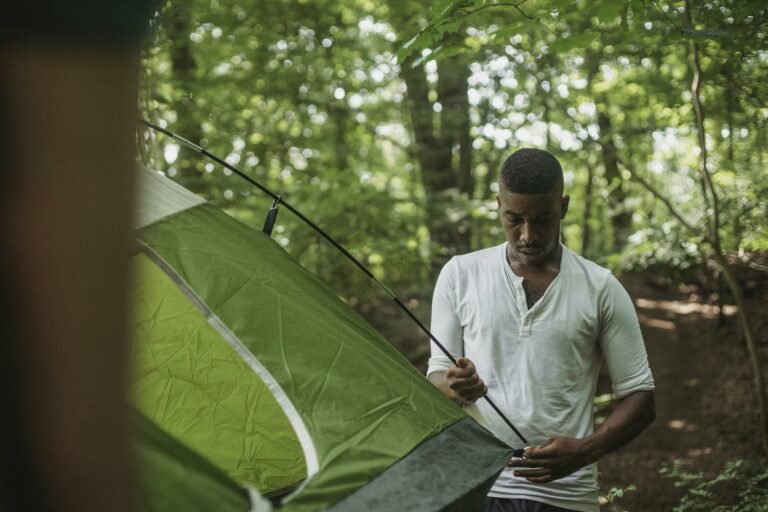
(531, 171)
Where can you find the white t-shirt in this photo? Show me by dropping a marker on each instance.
(540, 365)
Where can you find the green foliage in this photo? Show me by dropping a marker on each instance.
(309, 98)
(582, 40)
(302, 97)
(737, 487)
(614, 496)
(601, 405)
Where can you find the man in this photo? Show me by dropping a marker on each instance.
(530, 323)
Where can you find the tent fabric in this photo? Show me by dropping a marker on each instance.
(198, 387)
(352, 405)
(173, 477)
(161, 197)
(440, 459)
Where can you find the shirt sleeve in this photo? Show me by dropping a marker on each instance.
(445, 325)
(622, 342)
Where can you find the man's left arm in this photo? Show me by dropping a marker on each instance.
(622, 345)
(561, 456)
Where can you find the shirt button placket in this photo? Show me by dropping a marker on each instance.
(525, 326)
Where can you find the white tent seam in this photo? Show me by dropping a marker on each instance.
(302, 433)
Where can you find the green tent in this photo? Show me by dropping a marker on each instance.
(173, 477)
(250, 366)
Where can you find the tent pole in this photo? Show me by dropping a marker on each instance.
(269, 224)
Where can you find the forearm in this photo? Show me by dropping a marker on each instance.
(460, 383)
(633, 414)
(440, 380)
(561, 456)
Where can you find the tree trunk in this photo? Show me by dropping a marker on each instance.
(621, 219)
(183, 65)
(749, 336)
(448, 236)
(455, 139)
(714, 236)
(586, 232)
(444, 155)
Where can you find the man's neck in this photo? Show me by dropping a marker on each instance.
(549, 267)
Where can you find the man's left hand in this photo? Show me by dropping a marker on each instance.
(558, 457)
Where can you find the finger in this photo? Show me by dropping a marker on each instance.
(480, 390)
(473, 389)
(453, 371)
(475, 394)
(546, 450)
(529, 463)
(532, 473)
(463, 362)
(457, 384)
(541, 479)
(471, 385)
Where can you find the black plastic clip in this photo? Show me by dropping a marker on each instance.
(269, 222)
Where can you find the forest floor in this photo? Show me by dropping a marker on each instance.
(706, 410)
(705, 401)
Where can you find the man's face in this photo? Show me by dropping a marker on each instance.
(532, 223)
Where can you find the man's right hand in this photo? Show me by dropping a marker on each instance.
(461, 383)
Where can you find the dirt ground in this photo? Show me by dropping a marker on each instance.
(705, 402)
(705, 405)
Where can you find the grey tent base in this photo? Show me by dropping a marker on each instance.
(413, 483)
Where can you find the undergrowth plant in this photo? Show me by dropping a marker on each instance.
(738, 487)
(613, 497)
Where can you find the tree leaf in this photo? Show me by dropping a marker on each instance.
(442, 7)
(608, 10)
(510, 30)
(560, 4)
(582, 40)
(421, 60)
(446, 52)
(407, 49)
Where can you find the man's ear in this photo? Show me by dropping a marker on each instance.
(498, 201)
(564, 201)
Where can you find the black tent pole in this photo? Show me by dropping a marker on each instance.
(269, 224)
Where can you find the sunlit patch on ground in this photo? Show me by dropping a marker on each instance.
(685, 308)
(656, 322)
(698, 452)
(682, 425)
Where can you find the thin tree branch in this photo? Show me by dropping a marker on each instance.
(463, 13)
(733, 283)
(699, 111)
(658, 195)
(515, 6)
(670, 20)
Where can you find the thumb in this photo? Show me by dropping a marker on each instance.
(462, 362)
(537, 451)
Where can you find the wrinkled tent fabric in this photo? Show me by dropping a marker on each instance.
(244, 357)
(173, 477)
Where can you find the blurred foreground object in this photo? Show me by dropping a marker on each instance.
(68, 74)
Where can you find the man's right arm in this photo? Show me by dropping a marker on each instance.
(460, 382)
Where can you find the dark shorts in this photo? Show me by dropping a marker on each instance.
(517, 505)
